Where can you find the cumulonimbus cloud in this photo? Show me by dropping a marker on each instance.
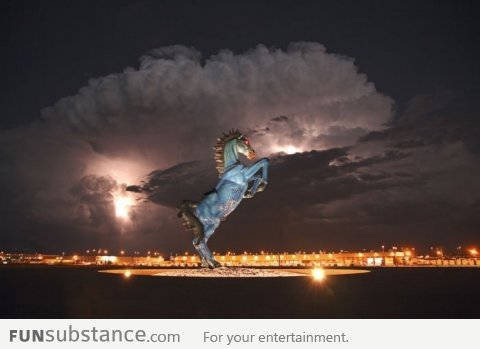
(177, 100)
(170, 110)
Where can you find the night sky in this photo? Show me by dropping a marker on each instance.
(367, 109)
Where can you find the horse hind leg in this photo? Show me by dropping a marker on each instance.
(205, 254)
(200, 251)
(190, 220)
(202, 234)
(211, 261)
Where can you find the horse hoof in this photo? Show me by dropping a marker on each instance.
(213, 264)
(262, 186)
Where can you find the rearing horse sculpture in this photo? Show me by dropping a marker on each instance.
(237, 181)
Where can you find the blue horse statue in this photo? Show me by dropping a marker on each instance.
(237, 181)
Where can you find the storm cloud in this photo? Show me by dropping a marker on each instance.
(378, 191)
(335, 146)
(66, 168)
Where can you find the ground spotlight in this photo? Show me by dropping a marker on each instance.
(318, 274)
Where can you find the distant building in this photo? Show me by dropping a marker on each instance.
(393, 257)
(342, 259)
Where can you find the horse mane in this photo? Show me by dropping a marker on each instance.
(220, 148)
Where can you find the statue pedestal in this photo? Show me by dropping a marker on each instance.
(230, 272)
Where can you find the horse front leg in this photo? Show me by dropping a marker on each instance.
(259, 183)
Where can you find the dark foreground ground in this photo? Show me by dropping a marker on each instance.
(81, 292)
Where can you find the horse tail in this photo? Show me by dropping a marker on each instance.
(190, 220)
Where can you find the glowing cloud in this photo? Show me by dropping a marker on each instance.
(289, 149)
(122, 206)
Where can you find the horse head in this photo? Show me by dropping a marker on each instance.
(244, 147)
(228, 147)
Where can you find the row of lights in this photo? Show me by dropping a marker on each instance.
(122, 252)
(408, 253)
(438, 250)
